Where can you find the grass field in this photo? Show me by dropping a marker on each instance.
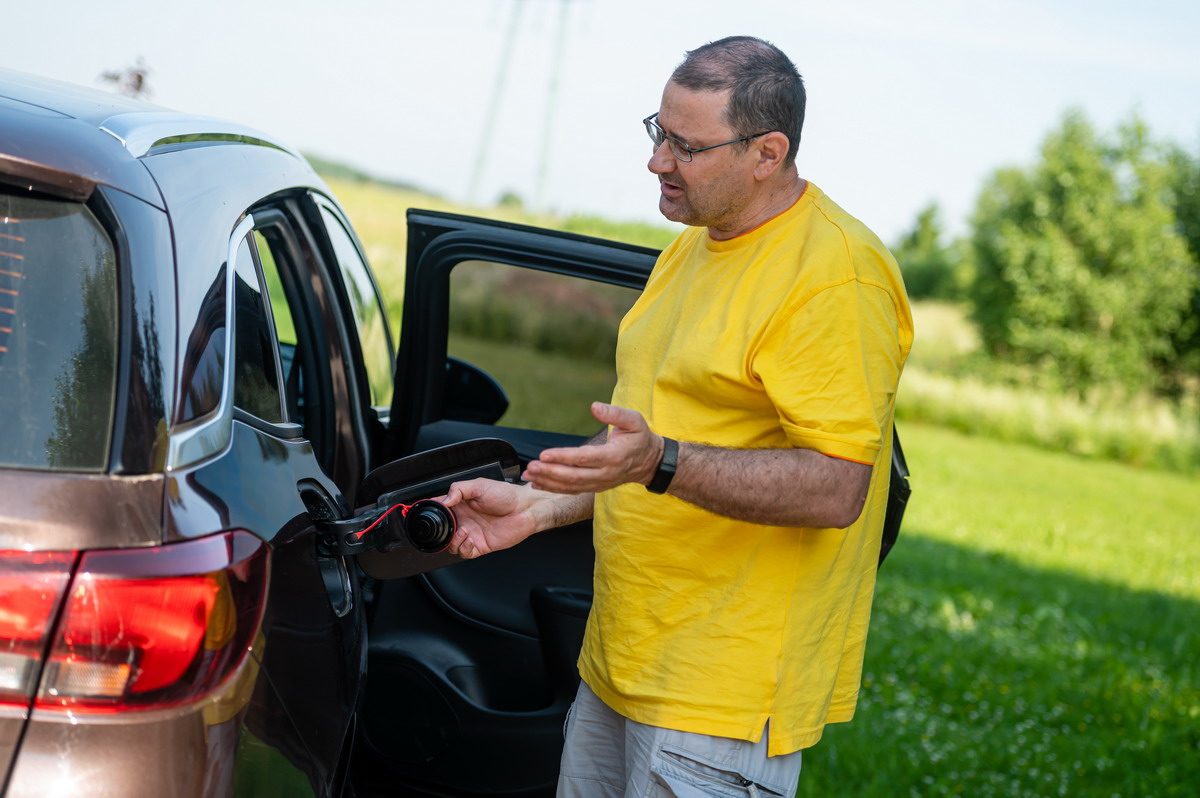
(1033, 633)
(949, 382)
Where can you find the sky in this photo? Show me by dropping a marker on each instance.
(908, 102)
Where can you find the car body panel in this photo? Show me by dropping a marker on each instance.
(201, 201)
(313, 647)
(142, 237)
(138, 755)
(49, 512)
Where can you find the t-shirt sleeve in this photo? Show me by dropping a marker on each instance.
(831, 366)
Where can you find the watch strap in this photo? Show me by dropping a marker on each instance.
(666, 467)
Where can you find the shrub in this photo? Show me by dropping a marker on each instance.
(1080, 270)
(931, 270)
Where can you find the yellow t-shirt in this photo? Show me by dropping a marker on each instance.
(791, 335)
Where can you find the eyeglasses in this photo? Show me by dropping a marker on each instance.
(680, 150)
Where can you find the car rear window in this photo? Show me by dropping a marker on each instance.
(58, 335)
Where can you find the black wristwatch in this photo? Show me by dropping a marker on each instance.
(666, 467)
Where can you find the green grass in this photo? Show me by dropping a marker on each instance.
(1033, 633)
(949, 382)
(547, 391)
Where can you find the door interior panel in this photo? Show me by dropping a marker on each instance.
(472, 668)
(494, 591)
(469, 686)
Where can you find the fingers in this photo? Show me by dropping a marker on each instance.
(581, 456)
(468, 541)
(465, 492)
(457, 542)
(581, 469)
(563, 478)
(464, 545)
(629, 455)
(619, 417)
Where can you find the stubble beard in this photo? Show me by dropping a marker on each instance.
(673, 212)
(681, 210)
(684, 211)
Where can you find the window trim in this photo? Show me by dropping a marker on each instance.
(325, 203)
(287, 429)
(264, 292)
(204, 437)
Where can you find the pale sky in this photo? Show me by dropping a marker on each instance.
(909, 102)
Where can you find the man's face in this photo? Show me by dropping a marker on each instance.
(713, 189)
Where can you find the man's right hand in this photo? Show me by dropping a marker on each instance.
(494, 515)
(491, 515)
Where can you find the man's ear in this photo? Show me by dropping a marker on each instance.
(772, 149)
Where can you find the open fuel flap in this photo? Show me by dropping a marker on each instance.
(399, 530)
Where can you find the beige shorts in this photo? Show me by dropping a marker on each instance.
(609, 756)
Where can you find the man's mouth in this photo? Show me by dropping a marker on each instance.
(670, 190)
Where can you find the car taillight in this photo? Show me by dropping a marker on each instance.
(152, 628)
(31, 587)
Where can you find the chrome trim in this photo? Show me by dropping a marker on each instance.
(140, 133)
(209, 435)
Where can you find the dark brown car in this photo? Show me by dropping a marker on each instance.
(211, 580)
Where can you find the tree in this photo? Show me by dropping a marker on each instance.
(1184, 171)
(931, 270)
(1080, 270)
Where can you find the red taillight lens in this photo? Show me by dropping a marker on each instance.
(31, 587)
(151, 628)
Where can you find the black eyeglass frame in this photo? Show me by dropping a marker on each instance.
(678, 148)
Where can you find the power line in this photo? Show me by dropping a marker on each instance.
(560, 42)
(489, 119)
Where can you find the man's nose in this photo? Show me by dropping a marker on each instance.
(663, 160)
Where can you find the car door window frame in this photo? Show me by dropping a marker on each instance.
(324, 206)
(339, 426)
(437, 243)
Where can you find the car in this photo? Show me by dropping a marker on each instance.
(220, 569)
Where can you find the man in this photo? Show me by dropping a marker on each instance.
(756, 382)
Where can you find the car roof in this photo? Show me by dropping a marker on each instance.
(63, 139)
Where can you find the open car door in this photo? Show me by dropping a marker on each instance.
(507, 335)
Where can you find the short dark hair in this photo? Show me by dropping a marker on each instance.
(765, 89)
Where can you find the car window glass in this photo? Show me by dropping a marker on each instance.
(285, 325)
(256, 375)
(58, 335)
(203, 370)
(282, 273)
(378, 354)
(548, 339)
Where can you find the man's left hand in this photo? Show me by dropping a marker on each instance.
(631, 454)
